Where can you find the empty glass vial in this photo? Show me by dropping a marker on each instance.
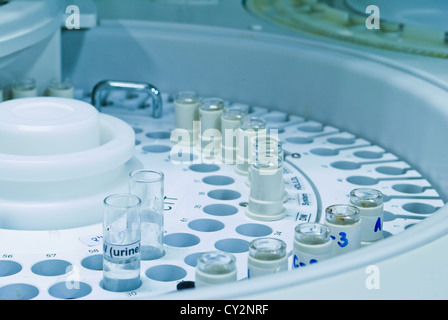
(250, 127)
(148, 185)
(370, 204)
(312, 243)
(230, 122)
(210, 113)
(186, 110)
(266, 256)
(215, 267)
(345, 227)
(121, 243)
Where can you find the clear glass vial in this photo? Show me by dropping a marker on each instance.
(148, 185)
(312, 243)
(344, 223)
(61, 88)
(121, 243)
(215, 267)
(266, 256)
(370, 204)
(24, 88)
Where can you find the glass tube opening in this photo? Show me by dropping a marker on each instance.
(312, 233)
(146, 176)
(24, 84)
(124, 201)
(267, 249)
(366, 197)
(234, 113)
(342, 214)
(216, 262)
(212, 104)
(254, 123)
(186, 97)
(61, 84)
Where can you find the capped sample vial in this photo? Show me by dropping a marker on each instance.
(250, 127)
(266, 256)
(267, 191)
(24, 88)
(215, 267)
(121, 243)
(61, 88)
(230, 122)
(345, 227)
(210, 112)
(370, 204)
(312, 243)
(148, 185)
(186, 110)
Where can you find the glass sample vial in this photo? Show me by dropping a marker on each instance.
(186, 110)
(230, 122)
(210, 113)
(266, 256)
(24, 88)
(370, 204)
(345, 227)
(148, 185)
(312, 243)
(121, 243)
(215, 267)
(267, 188)
(250, 127)
(61, 88)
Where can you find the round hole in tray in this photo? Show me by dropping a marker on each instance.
(420, 208)
(341, 140)
(70, 290)
(392, 171)
(368, 154)
(206, 225)
(299, 140)
(18, 291)
(253, 230)
(218, 180)
(325, 152)
(311, 128)
(204, 167)
(8, 268)
(166, 272)
(345, 165)
(408, 188)
(224, 194)
(94, 262)
(362, 180)
(192, 259)
(137, 130)
(232, 245)
(51, 267)
(220, 209)
(181, 240)
(156, 148)
(159, 135)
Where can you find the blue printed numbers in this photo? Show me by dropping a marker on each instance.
(297, 264)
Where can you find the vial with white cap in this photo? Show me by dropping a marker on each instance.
(23, 88)
(61, 88)
(214, 268)
(266, 256)
(230, 122)
(370, 204)
(210, 112)
(345, 227)
(250, 127)
(186, 110)
(312, 243)
(266, 189)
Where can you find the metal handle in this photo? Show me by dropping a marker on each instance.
(153, 92)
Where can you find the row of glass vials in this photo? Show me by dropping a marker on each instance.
(28, 87)
(230, 135)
